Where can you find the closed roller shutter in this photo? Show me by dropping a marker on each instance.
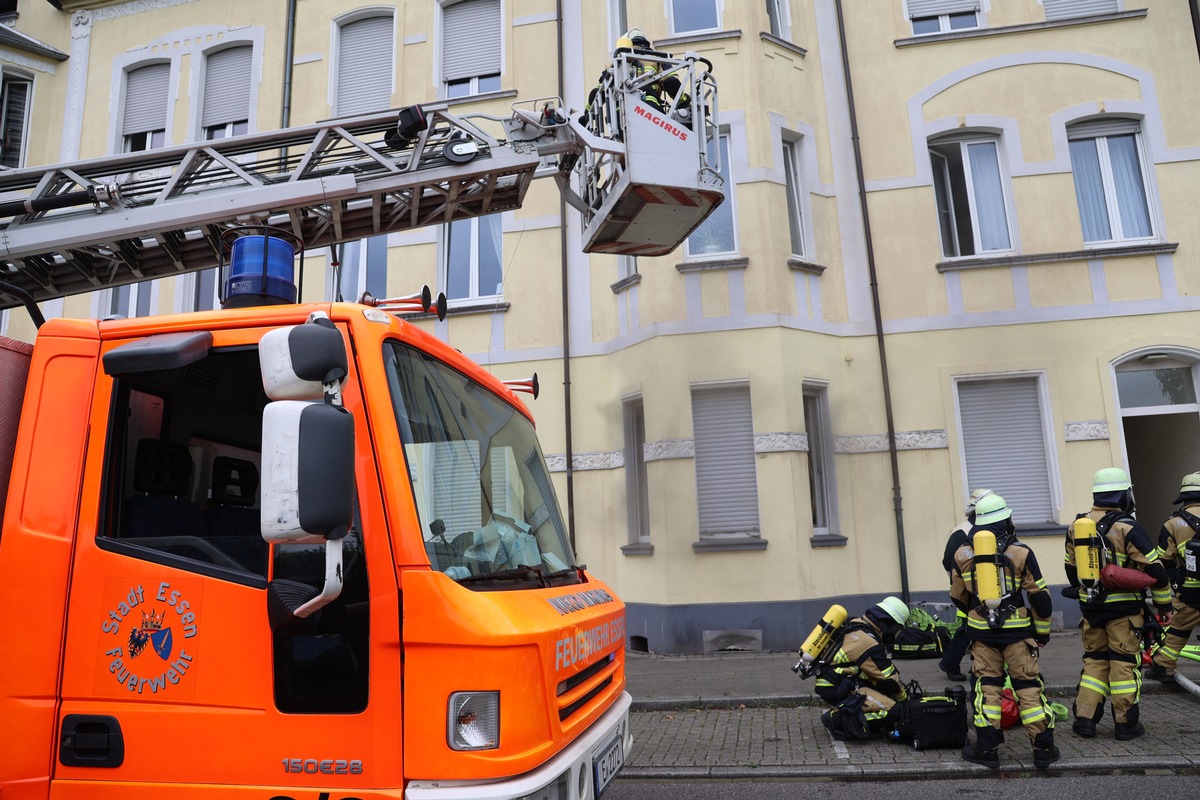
(1064, 9)
(365, 66)
(933, 8)
(146, 99)
(726, 483)
(470, 39)
(227, 87)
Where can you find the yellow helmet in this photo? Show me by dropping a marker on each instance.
(624, 43)
(991, 509)
(1110, 479)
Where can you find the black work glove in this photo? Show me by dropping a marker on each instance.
(1042, 639)
(1070, 592)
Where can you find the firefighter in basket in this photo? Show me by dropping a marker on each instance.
(660, 94)
(1110, 562)
(1179, 550)
(997, 583)
(853, 670)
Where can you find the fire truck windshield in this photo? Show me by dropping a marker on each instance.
(479, 479)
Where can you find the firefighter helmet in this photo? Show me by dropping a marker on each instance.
(638, 38)
(991, 509)
(895, 608)
(974, 499)
(1110, 479)
(1189, 490)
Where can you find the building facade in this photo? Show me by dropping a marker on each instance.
(958, 250)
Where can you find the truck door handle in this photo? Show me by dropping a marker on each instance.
(91, 740)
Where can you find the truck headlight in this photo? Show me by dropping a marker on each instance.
(473, 721)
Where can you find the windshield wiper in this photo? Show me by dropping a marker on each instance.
(522, 571)
(574, 569)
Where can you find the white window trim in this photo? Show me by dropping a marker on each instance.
(784, 11)
(252, 37)
(725, 132)
(439, 84)
(356, 251)
(104, 298)
(444, 263)
(820, 391)
(635, 472)
(719, 4)
(794, 144)
(1149, 188)
(1005, 193)
(1050, 438)
(749, 532)
(944, 24)
(186, 302)
(335, 44)
(616, 30)
(26, 130)
(1175, 358)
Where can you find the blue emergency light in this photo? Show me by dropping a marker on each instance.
(261, 272)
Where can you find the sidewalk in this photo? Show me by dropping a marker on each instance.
(747, 715)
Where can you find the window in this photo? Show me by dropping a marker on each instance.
(363, 268)
(693, 16)
(144, 122)
(203, 290)
(1063, 9)
(130, 300)
(626, 266)
(718, 233)
(637, 493)
(14, 118)
(471, 47)
(365, 65)
(1005, 444)
(726, 482)
(618, 19)
(821, 491)
(791, 178)
(225, 109)
(473, 258)
(972, 205)
(777, 15)
(941, 16)
(1110, 186)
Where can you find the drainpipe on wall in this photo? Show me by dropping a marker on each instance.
(285, 117)
(1196, 23)
(887, 390)
(566, 307)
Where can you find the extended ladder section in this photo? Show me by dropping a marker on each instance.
(646, 177)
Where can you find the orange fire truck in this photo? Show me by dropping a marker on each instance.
(286, 550)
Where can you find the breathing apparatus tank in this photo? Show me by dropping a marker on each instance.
(820, 640)
(987, 574)
(1087, 557)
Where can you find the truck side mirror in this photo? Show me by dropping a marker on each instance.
(307, 486)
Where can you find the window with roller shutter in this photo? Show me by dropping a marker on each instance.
(471, 47)
(726, 480)
(225, 103)
(942, 16)
(1065, 9)
(365, 66)
(144, 116)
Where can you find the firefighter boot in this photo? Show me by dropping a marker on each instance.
(1130, 728)
(1157, 673)
(986, 750)
(1086, 726)
(1044, 751)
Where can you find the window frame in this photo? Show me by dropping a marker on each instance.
(675, 31)
(822, 477)
(370, 261)
(142, 295)
(724, 135)
(1076, 132)
(339, 25)
(747, 528)
(793, 179)
(234, 127)
(467, 86)
(637, 491)
(1045, 425)
(945, 23)
(153, 137)
(474, 295)
(963, 143)
(8, 77)
(780, 19)
(194, 288)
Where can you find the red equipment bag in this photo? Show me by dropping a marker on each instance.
(1124, 578)
(1010, 713)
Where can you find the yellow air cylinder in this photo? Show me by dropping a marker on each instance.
(987, 576)
(822, 635)
(1087, 552)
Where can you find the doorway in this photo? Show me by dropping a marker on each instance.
(1160, 420)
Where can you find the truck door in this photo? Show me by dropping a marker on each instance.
(174, 684)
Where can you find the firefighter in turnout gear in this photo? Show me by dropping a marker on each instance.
(660, 93)
(951, 662)
(997, 583)
(1179, 550)
(1113, 614)
(859, 678)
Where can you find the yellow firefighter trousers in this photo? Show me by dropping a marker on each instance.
(988, 669)
(1184, 620)
(1112, 665)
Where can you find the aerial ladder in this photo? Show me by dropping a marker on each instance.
(642, 178)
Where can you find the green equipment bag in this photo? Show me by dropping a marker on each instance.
(924, 636)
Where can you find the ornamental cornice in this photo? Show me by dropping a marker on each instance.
(905, 440)
(1086, 430)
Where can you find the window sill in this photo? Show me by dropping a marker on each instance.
(783, 43)
(800, 265)
(475, 308)
(471, 98)
(730, 544)
(1087, 254)
(637, 549)
(978, 33)
(1041, 529)
(721, 262)
(626, 282)
(694, 38)
(828, 540)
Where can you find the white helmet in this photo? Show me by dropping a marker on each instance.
(976, 496)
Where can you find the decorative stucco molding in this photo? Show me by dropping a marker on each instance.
(669, 448)
(612, 459)
(781, 442)
(1086, 430)
(133, 7)
(32, 64)
(905, 440)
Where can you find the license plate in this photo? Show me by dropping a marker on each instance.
(607, 764)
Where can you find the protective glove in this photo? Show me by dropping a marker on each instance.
(1042, 639)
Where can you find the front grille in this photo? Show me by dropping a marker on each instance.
(575, 692)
